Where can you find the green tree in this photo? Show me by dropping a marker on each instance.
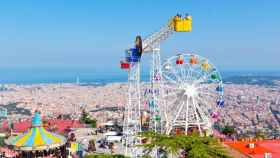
(2, 141)
(192, 146)
(85, 118)
(260, 135)
(228, 130)
(93, 123)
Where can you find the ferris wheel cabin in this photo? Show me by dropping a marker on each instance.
(221, 102)
(215, 114)
(220, 89)
(180, 59)
(193, 60)
(215, 77)
(205, 66)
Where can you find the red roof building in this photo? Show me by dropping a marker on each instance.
(58, 125)
(260, 148)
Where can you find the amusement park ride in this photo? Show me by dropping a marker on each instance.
(179, 89)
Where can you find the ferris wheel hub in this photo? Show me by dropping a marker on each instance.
(190, 90)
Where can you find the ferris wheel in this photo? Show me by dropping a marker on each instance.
(191, 94)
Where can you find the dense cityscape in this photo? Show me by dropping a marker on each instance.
(250, 108)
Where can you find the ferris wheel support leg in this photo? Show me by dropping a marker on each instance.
(187, 117)
(166, 117)
(204, 117)
(176, 117)
(196, 116)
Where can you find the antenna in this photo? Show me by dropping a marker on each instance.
(78, 80)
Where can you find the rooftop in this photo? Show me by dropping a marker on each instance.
(260, 148)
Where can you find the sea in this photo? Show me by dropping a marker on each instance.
(101, 77)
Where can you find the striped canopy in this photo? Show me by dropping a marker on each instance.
(36, 138)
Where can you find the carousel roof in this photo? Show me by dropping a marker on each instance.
(36, 138)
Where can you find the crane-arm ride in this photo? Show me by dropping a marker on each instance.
(175, 24)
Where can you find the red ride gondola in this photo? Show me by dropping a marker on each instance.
(180, 59)
(124, 65)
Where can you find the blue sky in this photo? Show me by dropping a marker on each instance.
(92, 34)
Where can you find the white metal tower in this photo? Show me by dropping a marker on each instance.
(132, 120)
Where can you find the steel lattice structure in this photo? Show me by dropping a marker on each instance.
(133, 110)
(132, 122)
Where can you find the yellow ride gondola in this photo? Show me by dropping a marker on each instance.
(206, 66)
(182, 24)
